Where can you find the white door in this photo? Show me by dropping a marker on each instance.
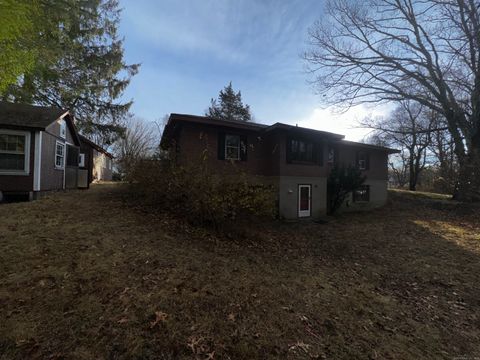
(304, 200)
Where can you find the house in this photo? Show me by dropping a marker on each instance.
(39, 150)
(96, 160)
(295, 160)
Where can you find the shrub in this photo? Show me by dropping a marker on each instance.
(201, 196)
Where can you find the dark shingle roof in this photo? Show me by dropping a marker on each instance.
(31, 116)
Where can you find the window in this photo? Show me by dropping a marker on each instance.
(362, 194)
(362, 160)
(232, 147)
(331, 155)
(14, 151)
(59, 155)
(81, 160)
(301, 151)
(63, 129)
(72, 155)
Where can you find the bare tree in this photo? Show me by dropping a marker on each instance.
(394, 50)
(409, 128)
(140, 141)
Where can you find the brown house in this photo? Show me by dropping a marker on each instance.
(39, 150)
(296, 160)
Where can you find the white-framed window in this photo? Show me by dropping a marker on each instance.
(81, 160)
(14, 152)
(232, 147)
(59, 155)
(63, 129)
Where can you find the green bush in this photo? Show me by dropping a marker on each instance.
(200, 195)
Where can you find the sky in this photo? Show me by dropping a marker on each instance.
(190, 49)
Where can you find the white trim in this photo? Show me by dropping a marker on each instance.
(37, 165)
(305, 213)
(26, 171)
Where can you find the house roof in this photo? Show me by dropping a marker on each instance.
(14, 115)
(369, 146)
(30, 116)
(89, 142)
(304, 130)
(175, 120)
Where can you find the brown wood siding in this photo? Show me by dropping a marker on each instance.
(21, 182)
(51, 178)
(267, 153)
(305, 170)
(378, 166)
(195, 141)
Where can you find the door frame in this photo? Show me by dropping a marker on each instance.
(304, 213)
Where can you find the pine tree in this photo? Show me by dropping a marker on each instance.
(80, 65)
(17, 37)
(229, 106)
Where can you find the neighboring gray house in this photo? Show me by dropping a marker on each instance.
(39, 150)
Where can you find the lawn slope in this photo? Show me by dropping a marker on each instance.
(89, 275)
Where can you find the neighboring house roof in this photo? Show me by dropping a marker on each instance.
(34, 117)
(95, 146)
(176, 119)
(22, 115)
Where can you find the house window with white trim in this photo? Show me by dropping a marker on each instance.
(232, 147)
(59, 155)
(63, 129)
(14, 150)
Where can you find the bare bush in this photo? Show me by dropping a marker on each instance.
(199, 195)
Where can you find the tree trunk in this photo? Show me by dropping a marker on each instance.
(412, 181)
(468, 189)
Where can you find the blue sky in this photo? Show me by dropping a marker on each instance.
(190, 49)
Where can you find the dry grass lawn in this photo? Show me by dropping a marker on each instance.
(86, 275)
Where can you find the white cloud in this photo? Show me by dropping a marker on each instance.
(345, 123)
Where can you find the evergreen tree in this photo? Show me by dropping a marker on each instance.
(17, 35)
(229, 106)
(80, 65)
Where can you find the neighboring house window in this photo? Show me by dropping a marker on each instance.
(59, 155)
(232, 147)
(362, 194)
(14, 152)
(63, 129)
(362, 160)
(303, 151)
(72, 155)
(81, 160)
